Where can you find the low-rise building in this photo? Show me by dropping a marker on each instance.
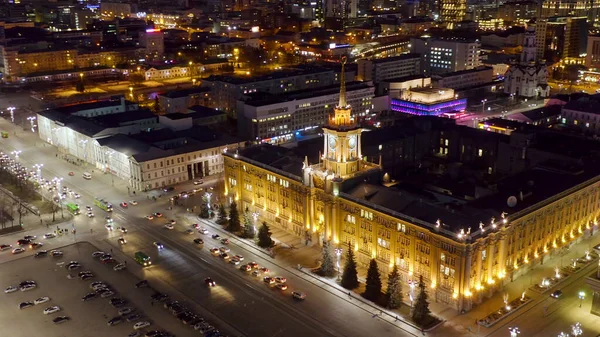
(278, 119)
(378, 70)
(428, 102)
(583, 113)
(181, 100)
(226, 90)
(464, 79)
(117, 137)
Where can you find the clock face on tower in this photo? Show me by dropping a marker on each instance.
(332, 143)
(352, 143)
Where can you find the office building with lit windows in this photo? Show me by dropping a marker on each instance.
(587, 8)
(452, 11)
(278, 119)
(464, 248)
(448, 55)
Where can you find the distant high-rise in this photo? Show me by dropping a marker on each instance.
(441, 56)
(452, 11)
(561, 37)
(592, 59)
(587, 8)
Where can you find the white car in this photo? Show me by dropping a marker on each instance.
(51, 310)
(169, 226)
(18, 250)
(133, 202)
(49, 235)
(224, 249)
(119, 266)
(199, 182)
(234, 261)
(98, 254)
(41, 300)
(109, 227)
(203, 231)
(90, 214)
(28, 287)
(10, 289)
(239, 257)
(141, 325)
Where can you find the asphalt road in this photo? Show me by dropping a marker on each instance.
(245, 303)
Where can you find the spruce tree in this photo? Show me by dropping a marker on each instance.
(327, 266)
(234, 218)
(248, 227)
(393, 294)
(350, 275)
(264, 236)
(421, 310)
(222, 217)
(373, 286)
(204, 214)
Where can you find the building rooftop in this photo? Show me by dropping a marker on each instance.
(463, 72)
(279, 74)
(261, 99)
(397, 58)
(185, 92)
(117, 119)
(200, 111)
(587, 104)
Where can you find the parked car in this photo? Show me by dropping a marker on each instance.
(41, 300)
(141, 325)
(61, 319)
(25, 305)
(142, 284)
(51, 310)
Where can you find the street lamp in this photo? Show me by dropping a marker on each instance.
(581, 296)
(12, 113)
(38, 168)
(16, 154)
(31, 120)
(255, 217)
(338, 253)
(483, 104)
(514, 331)
(110, 168)
(83, 143)
(412, 285)
(131, 92)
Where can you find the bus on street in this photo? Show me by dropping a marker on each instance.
(105, 205)
(73, 208)
(142, 259)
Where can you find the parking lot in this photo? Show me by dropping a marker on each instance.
(88, 318)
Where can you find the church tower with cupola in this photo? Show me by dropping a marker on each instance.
(342, 148)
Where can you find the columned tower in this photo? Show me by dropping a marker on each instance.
(342, 148)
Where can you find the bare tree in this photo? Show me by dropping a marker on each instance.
(54, 207)
(22, 211)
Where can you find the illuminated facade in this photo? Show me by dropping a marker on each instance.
(587, 8)
(527, 78)
(464, 255)
(452, 11)
(428, 102)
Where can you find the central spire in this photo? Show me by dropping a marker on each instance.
(342, 103)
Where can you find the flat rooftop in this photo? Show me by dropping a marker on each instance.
(262, 99)
(280, 74)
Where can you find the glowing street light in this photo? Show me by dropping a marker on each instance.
(514, 331)
(16, 154)
(12, 113)
(581, 296)
(31, 120)
(338, 253)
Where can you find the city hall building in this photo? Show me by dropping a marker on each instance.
(464, 248)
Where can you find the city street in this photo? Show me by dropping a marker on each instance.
(247, 304)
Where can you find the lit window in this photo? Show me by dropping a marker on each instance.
(480, 152)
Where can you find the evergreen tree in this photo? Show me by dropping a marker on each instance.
(373, 286)
(264, 236)
(204, 214)
(248, 227)
(222, 217)
(327, 267)
(80, 87)
(393, 294)
(156, 106)
(421, 310)
(350, 275)
(234, 218)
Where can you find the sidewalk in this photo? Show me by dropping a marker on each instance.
(455, 324)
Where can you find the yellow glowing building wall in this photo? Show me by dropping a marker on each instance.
(459, 273)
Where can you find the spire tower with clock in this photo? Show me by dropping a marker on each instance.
(342, 151)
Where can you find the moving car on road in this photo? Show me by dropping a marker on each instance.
(209, 282)
(158, 245)
(144, 259)
(18, 250)
(298, 295)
